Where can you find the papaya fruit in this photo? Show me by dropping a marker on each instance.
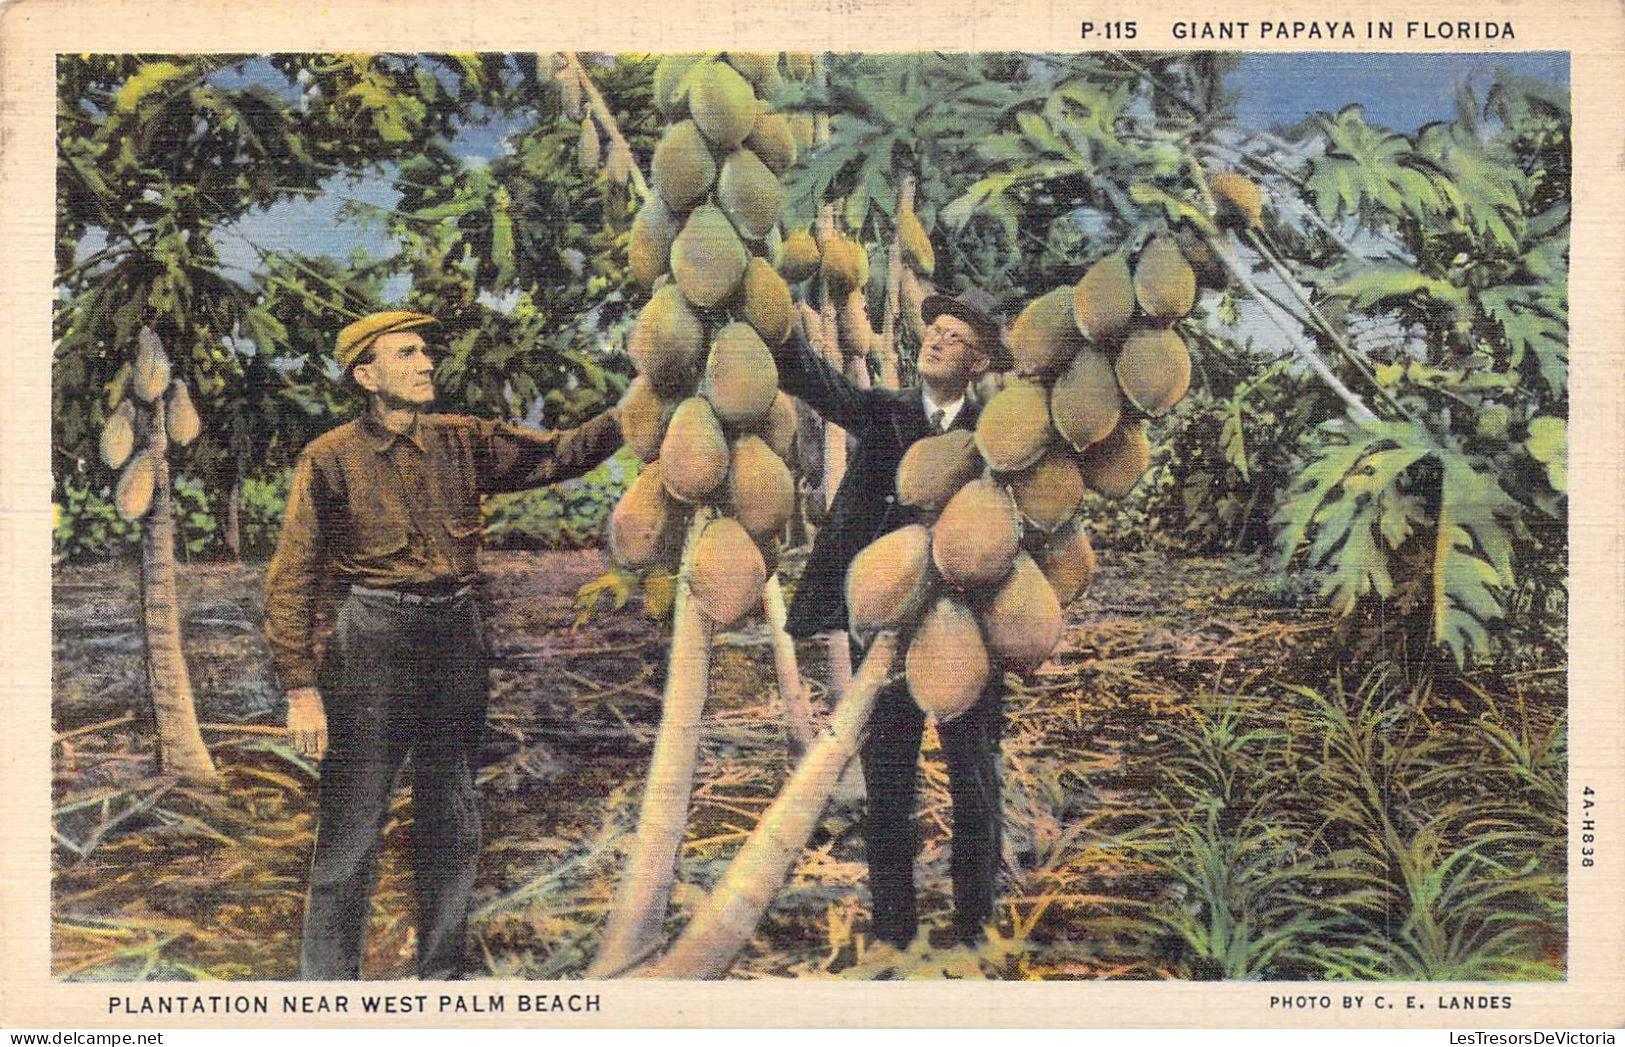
(770, 139)
(666, 342)
(780, 427)
(754, 66)
(118, 436)
(889, 580)
(1022, 624)
(766, 303)
(1068, 561)
(750, 194)
(798, 256)
(682, 168)
(670, 84)
(976, 538)
(694, 454)
(1240, 204)
(845, 266)
(589, 150)
(852, 321)
(1114, 465)
(1164, 283)
(1085, 404)
(946, 665)
(723, 104)
(1154, 370)
(761, 491)
(132, 496)
(1103, 300)
(648, 249)
(1045, 337)
(916, 245)
(181, 419)
(644, 526)
(934, 469)
(729, 571)
(151, 374)
(644, 414)
(1014, 428)
(1049, 493)
(707, 258)
(801, 129)
(741, 378)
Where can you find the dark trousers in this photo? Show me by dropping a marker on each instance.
(970, 744)
(397, 680)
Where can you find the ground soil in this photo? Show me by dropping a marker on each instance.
(163, 879)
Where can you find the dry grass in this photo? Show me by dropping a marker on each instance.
(1172, 810)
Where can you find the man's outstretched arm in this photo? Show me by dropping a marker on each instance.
(807, 376)
(515, 457)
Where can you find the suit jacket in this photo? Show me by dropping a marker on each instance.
(885, 423)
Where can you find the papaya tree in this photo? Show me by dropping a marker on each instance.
(1418, 281)
(160, 156)
(153, 412)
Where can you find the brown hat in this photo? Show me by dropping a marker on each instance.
(976, 308)
(357, 337)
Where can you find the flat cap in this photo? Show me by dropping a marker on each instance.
(354, 339)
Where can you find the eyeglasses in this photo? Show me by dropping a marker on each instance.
(951, 337)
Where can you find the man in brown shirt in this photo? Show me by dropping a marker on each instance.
(389, 504)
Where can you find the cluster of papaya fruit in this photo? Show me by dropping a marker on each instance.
(983, 584)
(705, 412)
(148, 377)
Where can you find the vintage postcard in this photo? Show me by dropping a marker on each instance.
(536, 515)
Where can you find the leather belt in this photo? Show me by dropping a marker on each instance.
(414, 599)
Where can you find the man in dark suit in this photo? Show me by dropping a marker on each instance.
(960, 342)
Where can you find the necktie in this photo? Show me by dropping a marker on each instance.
(936, 419)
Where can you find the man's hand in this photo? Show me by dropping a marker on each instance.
(307, 721)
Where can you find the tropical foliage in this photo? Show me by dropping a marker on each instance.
(1379, 406)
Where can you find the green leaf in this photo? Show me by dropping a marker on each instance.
(1472, 558)
(502, 237)
(1232, 441)
(1376, 284)
(617, 583)
(1038, 132)
(1548, 444)
(151, 77)
(1176, 209)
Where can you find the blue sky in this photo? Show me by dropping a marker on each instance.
(1403, 91)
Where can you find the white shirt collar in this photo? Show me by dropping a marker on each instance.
(950, 410)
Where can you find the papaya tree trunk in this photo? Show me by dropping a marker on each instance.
(886, 349)
(830, 335)
(180, 742)
(1294, 333)
(644, 892)
(234, 514)
(711, 941)
(797, 710)
(850, 790)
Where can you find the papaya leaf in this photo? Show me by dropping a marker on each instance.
(1350, 506)
(150, 78)
(1376, 284)
(1548, 445)
(1176, 209)
(617, 583)
(1233, 442)
(1472, 558)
